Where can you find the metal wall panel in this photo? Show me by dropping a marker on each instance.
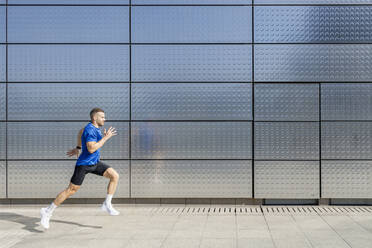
(313, 63)
(93, 63)
(2, 179)
(175, 2)
(40, 101)
(3, 140)
(286, 140)
(51, 140)
(304, 2)
(46, 179)
(71, 2)
(191, 101)
(346, 140)
(286, 179)
(291, 102)
(2, 101)
(191, 178)
(315, 24)
(2, 24)
(2, 63)
(346, 101)
(176, 63)
(2, 1)
(191, 140)
(192, 24)
(68, 24)
(347, 179)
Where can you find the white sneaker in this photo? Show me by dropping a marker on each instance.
(45, 217)
(109, 209)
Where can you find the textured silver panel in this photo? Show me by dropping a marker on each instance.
(191, 178)
(40, 101)
(316, 24)
(70, 24)
(175, 2)
(286, 179)
(72, 2)
(325, 2)
(68, 63)
(186, 24)
(346, 140)
(2, 24)
(347, 179)
(2, 179)
(46, 179)
(346, 101)
(2, 101)
(192, 63)
(286, 140)
(197, 140)
(296, 102)
(313, 63)
(2, 63)
(2, 140)
(191, 101)
(51, 140)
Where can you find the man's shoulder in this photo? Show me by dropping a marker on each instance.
(90, 128)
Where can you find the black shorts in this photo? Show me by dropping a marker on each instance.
(81, 170)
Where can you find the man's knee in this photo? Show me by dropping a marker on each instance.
(112, 174)
(72, 188)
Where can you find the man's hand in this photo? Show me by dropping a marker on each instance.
(110, 132)
(73, 152)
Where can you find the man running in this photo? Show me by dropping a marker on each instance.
(90, 140)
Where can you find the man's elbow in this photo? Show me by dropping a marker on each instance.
(90, 150)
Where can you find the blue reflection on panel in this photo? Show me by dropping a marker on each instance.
(191, 101)
(304, 2)
(2, 63)
(2, 1)
(68, 63)
(72, 2)
(313, 24)
(2, 24)
(313, 63)
(192, 24)
(174, 2)
(72, 24)
(2, 101)
(175, 63)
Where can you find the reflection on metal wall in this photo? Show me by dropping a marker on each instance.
(211, 98)
(287, 179)
(40, 101)
(45, 179)
(193, 178)
(195, 63)
(347, 179)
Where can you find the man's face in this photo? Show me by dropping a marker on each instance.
(100, 118)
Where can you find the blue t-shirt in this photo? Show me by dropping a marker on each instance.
(91, 133)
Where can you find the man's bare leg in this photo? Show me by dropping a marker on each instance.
(111, 174)
(61, 197)
(46, 213)
(111, 188)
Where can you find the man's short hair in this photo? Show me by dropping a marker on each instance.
(94, 111)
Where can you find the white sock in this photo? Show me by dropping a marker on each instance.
(108, 199)
(52, 207)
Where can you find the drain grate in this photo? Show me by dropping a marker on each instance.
(345, 210)
(266, 210)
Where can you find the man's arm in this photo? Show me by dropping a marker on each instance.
(94, 146)
(76, 151)
(79, 137)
